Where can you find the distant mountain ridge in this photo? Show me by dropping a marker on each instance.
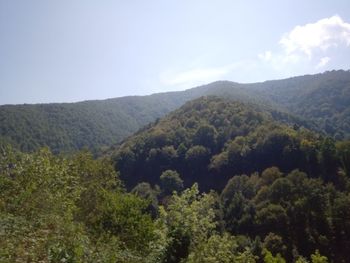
(321, 101)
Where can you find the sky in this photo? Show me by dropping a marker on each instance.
(73, 50)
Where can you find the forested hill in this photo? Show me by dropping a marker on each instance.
(66, 127)
(275, 179)
(282, 194)
(210, 139)
(322, 100)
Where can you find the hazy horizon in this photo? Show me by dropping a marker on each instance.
(170, 91)
(85, 50)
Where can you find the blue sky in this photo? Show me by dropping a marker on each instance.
(64, 51)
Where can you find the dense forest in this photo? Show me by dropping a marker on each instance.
(321, 100)
(59, 209)
(66, 127)
(210, 139)
(217, 180)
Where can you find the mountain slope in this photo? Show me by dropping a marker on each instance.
(321, 100)
(210, 139)
(66, 127)
(72, 126)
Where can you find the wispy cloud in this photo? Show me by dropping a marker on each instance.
(305, 48)
(323, 62)
(193, 75)
(201, 75)
(266, 55)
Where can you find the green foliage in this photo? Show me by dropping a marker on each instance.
(96, 125)
(170, 181)
(274, 243)
(206, 136)
(197, 155)
(269, 258)
(38, 199)
(60, 209)
(343, 152)
(192, 234)
(295, 200)
(269, 175)
(56, 209)
(304, 214)
(189, 218)
(317, 258)
(211, 138)
(192, 215)
(323, 99)
(293, 191)
(215, 249)
(301, 260)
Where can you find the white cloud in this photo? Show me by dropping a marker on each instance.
(323, 61)
(193, 76)
(266, 55)
(321, 35)
(305, 48)
(279, 61)
(309, 47)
